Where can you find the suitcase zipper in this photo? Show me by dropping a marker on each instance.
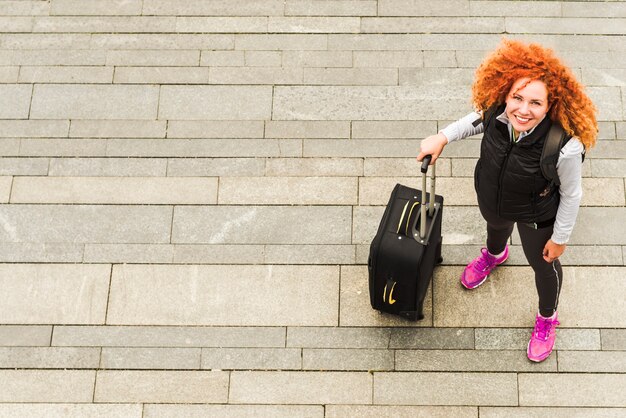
(402, 217)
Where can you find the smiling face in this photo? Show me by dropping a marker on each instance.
(526, 104)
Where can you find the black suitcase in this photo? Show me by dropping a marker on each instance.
(405, 250)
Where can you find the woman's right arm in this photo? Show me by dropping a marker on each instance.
(468, 125)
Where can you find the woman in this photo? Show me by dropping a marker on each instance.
(519, 92)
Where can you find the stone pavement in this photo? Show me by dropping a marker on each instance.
(188, 190)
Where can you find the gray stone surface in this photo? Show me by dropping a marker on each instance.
(251, 358)
(572, 389)
(205, 295)
(337, 337)
(535, 412)
(85, 224)
(470, 361)
(24, 336)
(432, 338)
(161, 387)
(592, 362)
(150, 358)
(225, 224)
(56, 410)
(517, 338)
(613, 339)
(215, 102)
(301, 387)
(54, 293)
(49, 358)
(158, 336)
(445, 388)
(372, 411)
(24, 166)
(71, 386)
(103, 167)
(232, 411)
(347, 359)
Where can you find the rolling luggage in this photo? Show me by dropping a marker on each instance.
(406, 248)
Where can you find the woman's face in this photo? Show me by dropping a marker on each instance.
(527, 104)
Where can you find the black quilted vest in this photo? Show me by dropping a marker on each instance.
(508, 177)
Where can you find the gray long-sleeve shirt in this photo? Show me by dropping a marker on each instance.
(568, 167)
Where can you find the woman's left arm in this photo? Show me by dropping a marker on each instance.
(569, 169)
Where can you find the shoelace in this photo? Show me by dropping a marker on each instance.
(485, 261)
(543, 327)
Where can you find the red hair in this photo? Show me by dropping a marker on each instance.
(567, 101)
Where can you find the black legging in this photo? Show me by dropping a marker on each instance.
(548, 276)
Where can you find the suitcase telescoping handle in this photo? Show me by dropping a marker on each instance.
(431, 200)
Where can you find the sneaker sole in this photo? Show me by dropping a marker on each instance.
(476, 285)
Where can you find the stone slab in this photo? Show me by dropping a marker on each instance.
(252, 358)
(560, 412)
(24, 166)
(307, 129)
(214, 167)
(430, 25)
(405, 167)
(69, 75)
(150, 358)
(288, 190)
(34, 128)
(128, 253)
(15, 101)
(67, 410)
(321, 59)
(213, 148)
(419, 8)
(214, 129)
(329, 167)
(219, 254)
(300, 387)
(108, 167)
(156, 336)
(54, 293)
(592, 361)
(347, 359)
(49, 358)
(161, 387)
(71, 386)
(117, 128)
(613, 339)
(392, 129)
(214, 8)
(115, 190)
(470, 361)
(225, 224)
(572, 389)
(337, 337)
(209, 295)
(53, 147)
(233, 411)
(355, 307)
(432, 338)
(85, 224)
(215, 102)
(16, 252)
(419, 388)
(309, 254)
(25, 335)
(5, 188)
(84, 101)
(612, 231)
(368, 103)
(374, 411)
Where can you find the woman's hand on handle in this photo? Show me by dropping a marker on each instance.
(432, 145)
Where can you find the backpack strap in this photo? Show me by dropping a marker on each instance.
(550, 154)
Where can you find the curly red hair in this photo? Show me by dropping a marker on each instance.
(567, 101)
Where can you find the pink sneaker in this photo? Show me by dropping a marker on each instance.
(478, 270)
(542, 341)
